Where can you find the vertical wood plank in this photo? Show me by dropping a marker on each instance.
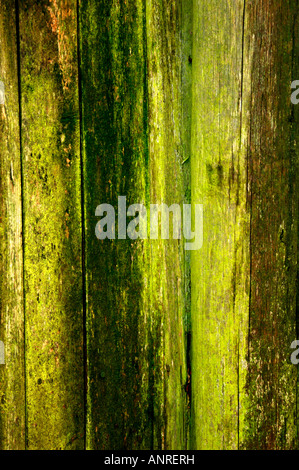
(52, 214)
(135, 305)
(167, 185)
(114, 112)
(12, 377)
(134, 80)
(220, 270)
(272, 43)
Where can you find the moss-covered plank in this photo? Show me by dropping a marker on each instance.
(114, 135)
(271, 42)
(12, 376)
(167, 134)
(52, 219)
(135, 336)
(220, 270)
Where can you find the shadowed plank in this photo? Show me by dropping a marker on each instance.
(135, 343)
(52, 214)
(114, 121)
(12, 377)
(271, 41)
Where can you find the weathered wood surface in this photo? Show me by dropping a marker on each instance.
(52, 224)
(135, 302)
(12, 374)
(123, 344)
(114, 103)
(168, 306)
(271, 42)
(220, 270)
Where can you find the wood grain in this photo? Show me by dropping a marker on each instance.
(12, 373)
(52, 217)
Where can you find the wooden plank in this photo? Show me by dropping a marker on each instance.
(167, 135)
(220, 270)
(52, 215)
(272, 43)
(12, 375)
(135, 336)
(114, 121)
